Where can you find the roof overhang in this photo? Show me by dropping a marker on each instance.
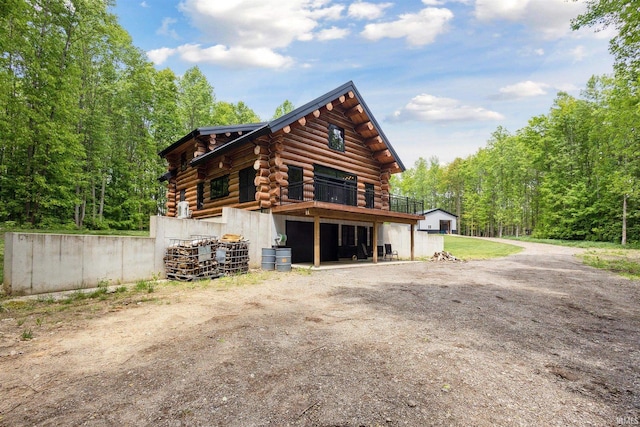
(210, 130)
(343, 212)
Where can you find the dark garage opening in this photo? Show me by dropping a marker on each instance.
(300, 240)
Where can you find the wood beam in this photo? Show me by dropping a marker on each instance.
(329, 106)
(302, 121)
(316, 113)
(354, 111)
(374, 140)
(365, 127)
(286, 129)
(374, 240)
(413, 242)
(382, 156)
(316, 241)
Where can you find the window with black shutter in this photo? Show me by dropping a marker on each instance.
(200, 194)
(295, 183)
(247, 186)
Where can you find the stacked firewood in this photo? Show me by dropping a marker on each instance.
(444, 256)
(192, 259)
(233, 256)
(206, 257)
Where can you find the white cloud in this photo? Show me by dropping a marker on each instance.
(578, 53)
(539, 52)
(235, 56)
(429, 108)
(159, 56)
(144, 4)
(550, 18)
(419, 28)
(524, 89)
(259, 23)
(166, 30)
(366, 10)
(332, 33)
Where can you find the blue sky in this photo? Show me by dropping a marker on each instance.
(439, 76)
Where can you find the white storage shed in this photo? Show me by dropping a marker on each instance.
(438, 221)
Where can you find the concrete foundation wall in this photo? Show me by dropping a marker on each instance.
(399, 236)
(256, 227)
(41, 263)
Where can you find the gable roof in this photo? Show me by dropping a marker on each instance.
(438, 209)
(210, 130)
(259, 129)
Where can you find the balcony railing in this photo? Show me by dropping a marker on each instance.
(347, 193)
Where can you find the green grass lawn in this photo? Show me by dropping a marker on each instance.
(573, 243)
(468, 248)
(623, 260)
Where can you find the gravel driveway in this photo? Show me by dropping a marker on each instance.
(535, 339)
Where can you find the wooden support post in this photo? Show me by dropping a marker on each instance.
(374, 240)
(316, 241)
(413, 242)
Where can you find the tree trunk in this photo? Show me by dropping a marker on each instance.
(624, 220)
(76, 213)
(104, 188)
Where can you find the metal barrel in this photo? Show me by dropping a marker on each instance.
(268, 258)
(283, 259)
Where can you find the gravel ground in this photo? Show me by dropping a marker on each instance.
(532, 339)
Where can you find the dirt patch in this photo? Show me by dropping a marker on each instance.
(531, 339)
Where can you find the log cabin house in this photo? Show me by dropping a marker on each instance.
(322, 171)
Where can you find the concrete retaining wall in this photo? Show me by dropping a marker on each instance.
(399, 235)
(41, 263)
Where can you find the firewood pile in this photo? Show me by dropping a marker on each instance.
(233, 257)
(444, 256)
(206, 257)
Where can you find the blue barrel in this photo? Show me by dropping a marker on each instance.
(268, 258)
(283, 259)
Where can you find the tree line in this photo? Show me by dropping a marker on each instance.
(573, 173)
(83, 114)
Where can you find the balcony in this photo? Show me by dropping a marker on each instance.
(346, 193)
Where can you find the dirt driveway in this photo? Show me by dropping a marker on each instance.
(532, 339)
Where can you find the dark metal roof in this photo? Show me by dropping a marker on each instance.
(167, 176)
(209, 130)
(438, 209)
(259, 129)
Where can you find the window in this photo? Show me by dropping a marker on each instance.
(219, 187)
(183, 195)
(183, 161)
(247, 187)
(336, 138)
(295, 183)
(368, 195)
(335, 186)
(200, 193)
